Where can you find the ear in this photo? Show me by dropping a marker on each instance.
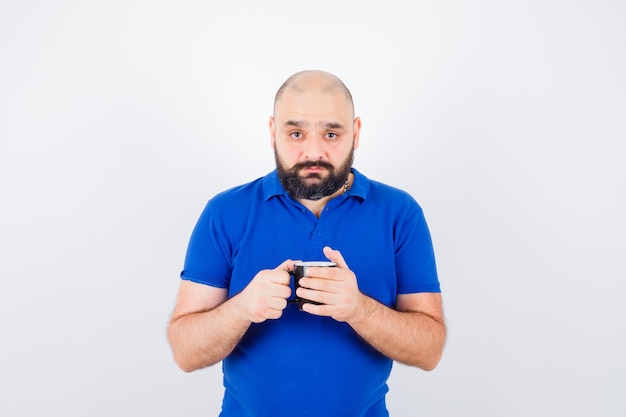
(272, 132)
(356, 128)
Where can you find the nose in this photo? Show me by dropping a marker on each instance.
(313, 148)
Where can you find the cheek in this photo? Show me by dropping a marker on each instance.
(288, 155)
(340, 154)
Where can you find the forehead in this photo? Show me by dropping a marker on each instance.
(327, 104)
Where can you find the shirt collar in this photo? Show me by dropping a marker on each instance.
(272, 186)
(360, 185)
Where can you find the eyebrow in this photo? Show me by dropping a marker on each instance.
(294, 123)
(332, 125)
(327, 125)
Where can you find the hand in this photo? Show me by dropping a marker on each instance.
(265, 297)
(336, 288)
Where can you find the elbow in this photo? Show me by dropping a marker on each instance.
(426, 363)
(185, 366)
(423, 361)
(430, 364)
(188, 365)
(188, 362)
(183, 363)
(181, 357)
(430, 361)
(439, 343)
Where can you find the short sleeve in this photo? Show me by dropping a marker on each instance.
(207, 260)
(415, 258)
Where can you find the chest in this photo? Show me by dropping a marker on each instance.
(280, 231)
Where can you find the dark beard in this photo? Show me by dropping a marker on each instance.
(297, 186)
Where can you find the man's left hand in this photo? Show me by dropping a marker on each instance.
(336, 288)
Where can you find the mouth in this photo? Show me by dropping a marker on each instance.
(314, 169)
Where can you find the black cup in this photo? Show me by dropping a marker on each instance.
(299, 271)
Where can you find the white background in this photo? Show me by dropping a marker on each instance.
(506, 121)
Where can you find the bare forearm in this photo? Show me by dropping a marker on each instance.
(202, 339)
(413, 338)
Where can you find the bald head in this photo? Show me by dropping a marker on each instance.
(313, 81)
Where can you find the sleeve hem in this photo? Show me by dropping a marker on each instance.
(417, 289)
(200, 279)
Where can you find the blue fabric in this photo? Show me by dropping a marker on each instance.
(300, 364)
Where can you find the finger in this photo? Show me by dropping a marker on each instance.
(281, 274)
(335, 256)
(317, 309)
(282, 291)
(279, 304)
(287, 265)
(317, 296)
(317, 272)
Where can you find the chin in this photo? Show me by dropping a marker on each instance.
(316, 178)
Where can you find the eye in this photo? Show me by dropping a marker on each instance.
(331, 135)
(296, 135)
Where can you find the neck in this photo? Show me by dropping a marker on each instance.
(316, 206)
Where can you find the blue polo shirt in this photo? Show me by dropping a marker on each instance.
(300, 364)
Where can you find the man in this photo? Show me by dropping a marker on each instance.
(381, 303)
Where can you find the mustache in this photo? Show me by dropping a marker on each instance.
(313, 164)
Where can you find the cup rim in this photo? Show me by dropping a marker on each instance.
(315, 263)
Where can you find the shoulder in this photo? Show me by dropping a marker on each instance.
(387, 195)
(240, 195)
(232, 204)
(395, 194)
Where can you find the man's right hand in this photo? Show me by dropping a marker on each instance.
(206, 325)
(266, 295)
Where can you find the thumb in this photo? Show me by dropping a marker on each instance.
(287, 265)
(335, 256)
